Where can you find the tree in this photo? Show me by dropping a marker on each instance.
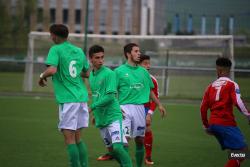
(15, 18)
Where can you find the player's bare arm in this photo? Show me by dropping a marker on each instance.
(148, 119)
(86, 74)
(158, 103)
(47, 73)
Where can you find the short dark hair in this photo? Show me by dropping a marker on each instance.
(144, 57)
(59, 30)
(128, 48)
(95, 49)
(224, 62)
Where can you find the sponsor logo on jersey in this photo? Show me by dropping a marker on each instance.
(136, 86)
(237, 91)
(115, 133)
(106, 141)
(117, 138)
(140, 127)
(95, 94)
(100, 82)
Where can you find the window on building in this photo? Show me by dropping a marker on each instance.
(52, 15)
(39, 15)
(127, 33)
(103, 10)
(40, 29)
(78, 16)
(91, 17)
(128, 17)
(77, 31)
(65, 16)
(115, 16)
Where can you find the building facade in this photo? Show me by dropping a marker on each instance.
(104, 16)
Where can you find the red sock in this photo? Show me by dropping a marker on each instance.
(148, 142)
(232, 163)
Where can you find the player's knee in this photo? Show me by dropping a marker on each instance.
(139, 140)
(148, 129)
(117, 147)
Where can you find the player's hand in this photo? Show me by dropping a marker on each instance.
(90, 110)
(93, 120)
(42, 82)
(148, 119)
(162, 111)
(208, 131)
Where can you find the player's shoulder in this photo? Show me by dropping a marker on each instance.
(54, 47)
(225, 81)
(142, 69)
(153, 78)
(107, 70)
(120, 68)
(75, 48)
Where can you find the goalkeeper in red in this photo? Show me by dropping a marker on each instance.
(149, 108)
(220, 97)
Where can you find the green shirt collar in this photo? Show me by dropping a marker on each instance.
(99, 70)
(130, 66)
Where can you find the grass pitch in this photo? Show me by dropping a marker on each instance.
(29, 137)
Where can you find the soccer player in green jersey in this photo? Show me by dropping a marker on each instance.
(66, 63)
(105, 106)
(134, 89)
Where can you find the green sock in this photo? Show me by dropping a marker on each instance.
(139, 155)
(83, 154)
(73, 155)
(125, 148)
(121, 155)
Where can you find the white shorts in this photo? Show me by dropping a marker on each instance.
(113, 133)
(135, 120)
(73, 116)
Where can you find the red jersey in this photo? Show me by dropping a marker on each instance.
(220, 97)
(151, 105)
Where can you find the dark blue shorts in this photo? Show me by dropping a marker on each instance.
(146, 110)
(229, 137)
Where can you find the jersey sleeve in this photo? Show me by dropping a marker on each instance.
(204, 107)
(85, 62)
(236, 96)
(110, 82)
(116, 78)
(53, 57)
(152, 104)
(103, 101)
(149, 80)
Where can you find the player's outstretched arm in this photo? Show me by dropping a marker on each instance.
(238, 102)
(158, 103)
(203, 112)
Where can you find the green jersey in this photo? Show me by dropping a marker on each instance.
(105, 105)
(67, 81)
(133, 84)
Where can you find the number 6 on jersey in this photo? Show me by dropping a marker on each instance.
(72, 69)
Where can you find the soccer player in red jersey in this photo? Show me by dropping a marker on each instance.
(220, 97)
(149, 108)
